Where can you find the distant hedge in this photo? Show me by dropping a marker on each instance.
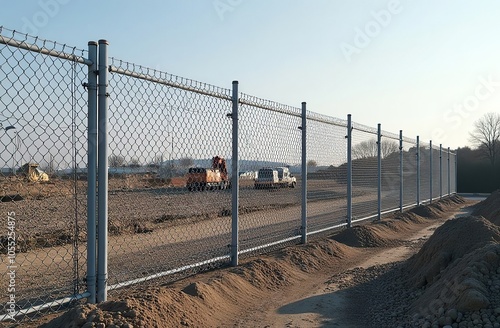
(475, 173)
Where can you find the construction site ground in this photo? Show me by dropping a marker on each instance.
(433, 266)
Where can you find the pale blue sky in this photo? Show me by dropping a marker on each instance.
(429, 68)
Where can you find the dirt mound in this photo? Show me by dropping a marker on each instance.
(313, 256)
(489, 208)
(266, 273)
(431, 211)
(450, 242)
(367, 236)
(381, 233)
(199, 304)
(471, 283)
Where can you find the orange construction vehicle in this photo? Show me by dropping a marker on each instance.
(213, 178)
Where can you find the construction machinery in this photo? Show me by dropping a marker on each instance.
(213, 178)
(32, 173)
(278, 177)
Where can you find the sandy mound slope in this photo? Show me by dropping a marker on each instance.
(453, 281)
(469, 284)
(489, 208)
(218, 298)
(450, 242)
(456, 275)
(367, 236)
(382, 233)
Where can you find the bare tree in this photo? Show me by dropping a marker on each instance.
(116, 160)
(312, 163)
(366, 149)
(486, 136)
(388, 147)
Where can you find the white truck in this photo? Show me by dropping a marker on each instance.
(278, 177)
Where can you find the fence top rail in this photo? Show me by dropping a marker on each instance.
(443, 148)
(326, 119)
(152, 75)
(390, 135)
(364, 128)
(410, 140)
(44, 47)
(253, 101)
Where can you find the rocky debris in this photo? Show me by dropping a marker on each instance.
(450, 242)
(453, 281)
(367, 236)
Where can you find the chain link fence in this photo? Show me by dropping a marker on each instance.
(268, 138)
(364, 171)
(390, 171)
(326, 173)
(165, 130)
(43, 188)
(190, 176)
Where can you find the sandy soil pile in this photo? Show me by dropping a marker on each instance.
(450, 242)
(458, 272)
(453, 280)
(384, 233)
(367, 236)
(490, 208)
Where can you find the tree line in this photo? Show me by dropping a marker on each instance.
(478, 167)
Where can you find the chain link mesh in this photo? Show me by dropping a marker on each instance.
(435, 173)
(326, 172)
(364, 171)
(169, 194)
(453, 173)
(444, 171)
(43, 200)
(425, 172)
(269, 139)
(409, 172)
(390, 170)
(159, 137)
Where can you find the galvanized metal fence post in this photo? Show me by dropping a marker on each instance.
(449, 173)
(418, 170)
(379, 171)
(304, 174)
(92, 172)
(349, 171)
(102, 234)
(430, 171)
(234, 179)
(401, 170)
(440, 171)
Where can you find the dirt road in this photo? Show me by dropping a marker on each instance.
(321, 300)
